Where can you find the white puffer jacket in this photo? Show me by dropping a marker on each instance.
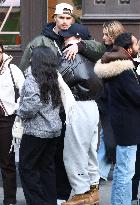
(7, 94)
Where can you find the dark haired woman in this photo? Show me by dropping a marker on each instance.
(39, 110)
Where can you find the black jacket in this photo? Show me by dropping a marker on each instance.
(123, 96)
(80, 77)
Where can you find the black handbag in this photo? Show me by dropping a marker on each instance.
(79, 73)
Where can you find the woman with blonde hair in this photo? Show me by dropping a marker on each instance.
(113, 28)
(107, 147)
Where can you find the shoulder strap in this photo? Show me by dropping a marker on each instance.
(3, 107)
(15, 89)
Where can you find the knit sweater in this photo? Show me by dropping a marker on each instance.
(40, 119)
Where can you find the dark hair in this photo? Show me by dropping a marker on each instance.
(44, 65)
(124, 40)
(1, 46)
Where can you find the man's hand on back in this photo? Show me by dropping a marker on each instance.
(71, 51)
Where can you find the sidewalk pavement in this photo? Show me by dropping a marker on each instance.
(105, 193)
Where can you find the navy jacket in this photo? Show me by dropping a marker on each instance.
(123, 99)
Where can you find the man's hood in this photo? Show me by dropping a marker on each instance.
(114, 63)
(48, 31)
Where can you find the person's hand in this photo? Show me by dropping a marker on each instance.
(71, 51)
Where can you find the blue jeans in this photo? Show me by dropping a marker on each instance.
(104, 166)
(123, 173)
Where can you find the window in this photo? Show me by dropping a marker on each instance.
(10, 23)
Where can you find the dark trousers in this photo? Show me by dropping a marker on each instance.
(7, 160)
(62, 183)
(136, 178)
(37, 170)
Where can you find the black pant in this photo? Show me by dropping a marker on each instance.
(136, 178)
(7, 160)
(62, 183)
(37, 170)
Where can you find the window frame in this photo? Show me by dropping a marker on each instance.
(9, 9)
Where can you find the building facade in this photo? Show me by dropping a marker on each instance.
(27, 18)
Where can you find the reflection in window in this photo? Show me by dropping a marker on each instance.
(10, 22)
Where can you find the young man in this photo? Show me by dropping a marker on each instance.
(117, 68)
(49, 36)
(80, 142)
(9, 74)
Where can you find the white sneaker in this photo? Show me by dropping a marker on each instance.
(60, 201)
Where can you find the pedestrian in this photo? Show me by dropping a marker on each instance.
(39, 110)
(80, 142)
(49, 36)
(106, 151)
(11, 81)
(117, 67)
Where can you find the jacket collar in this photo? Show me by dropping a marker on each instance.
(114, 63)
(114, 68)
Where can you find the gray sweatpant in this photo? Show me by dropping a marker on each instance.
(80, 147)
